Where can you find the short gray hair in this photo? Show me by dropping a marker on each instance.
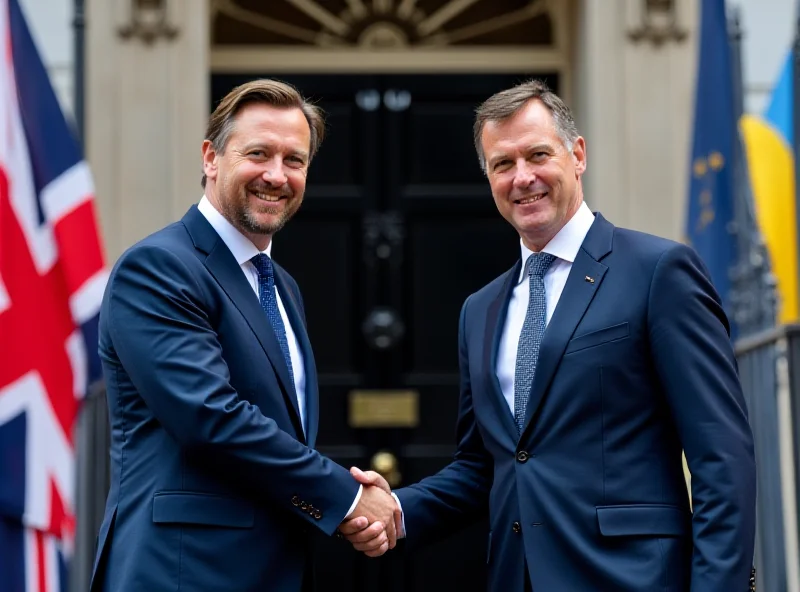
(509, 102)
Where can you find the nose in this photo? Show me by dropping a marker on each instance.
(273, 172)
(525, 175)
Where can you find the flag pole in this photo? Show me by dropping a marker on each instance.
(741, 289)
(79, 24)
(735, 37)
(796, 149)
(796, 121)
(753, 295)
(79, 571)
(740, 204)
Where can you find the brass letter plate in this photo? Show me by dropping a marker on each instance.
(384, 409)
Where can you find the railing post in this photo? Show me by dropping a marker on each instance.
(792, 410)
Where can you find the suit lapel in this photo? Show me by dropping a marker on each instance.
(298, 326)
(575, 299)
(495, 323)
(228, 273)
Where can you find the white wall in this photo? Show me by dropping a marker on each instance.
(155, 96)
(50, 22)
(634, 106)
(768, 28)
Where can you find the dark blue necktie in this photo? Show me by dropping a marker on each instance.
(531, 336)
(269, 302)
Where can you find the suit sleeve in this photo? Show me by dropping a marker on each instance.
(694, 360)
(160, 330)
(458, 494)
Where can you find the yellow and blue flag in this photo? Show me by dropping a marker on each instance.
(711, 187)
(770, 154)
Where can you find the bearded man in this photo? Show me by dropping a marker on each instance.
(211, 382)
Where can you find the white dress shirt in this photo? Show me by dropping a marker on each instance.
(243, 250)
(565, 246)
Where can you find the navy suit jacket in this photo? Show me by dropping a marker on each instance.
(213, 484)
(635, 366)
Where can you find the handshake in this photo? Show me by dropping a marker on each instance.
(376, 522)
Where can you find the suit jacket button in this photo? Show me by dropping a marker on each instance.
(303, 506)
(522, 456)
(516, 527)
(295, 500)
(317, 514)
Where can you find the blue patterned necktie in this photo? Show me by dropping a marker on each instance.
(269, 302)
(531, 336)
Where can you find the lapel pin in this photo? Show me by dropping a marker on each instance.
(589, 279)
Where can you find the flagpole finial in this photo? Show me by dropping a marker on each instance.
(736, 31)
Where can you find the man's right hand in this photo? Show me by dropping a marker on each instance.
(377, 480)
(370, 478)
(378, 507)
(382, 514)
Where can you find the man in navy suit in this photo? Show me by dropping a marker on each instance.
(586, 370)
(212, 387)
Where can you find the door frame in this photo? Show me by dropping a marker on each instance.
(293, 59)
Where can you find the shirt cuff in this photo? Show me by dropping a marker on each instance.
(355, 503)
(400, 535)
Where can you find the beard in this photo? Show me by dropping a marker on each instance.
(238, 209)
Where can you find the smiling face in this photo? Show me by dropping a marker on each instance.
(535, 178)
(258, 179)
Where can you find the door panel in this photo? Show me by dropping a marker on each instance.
(446, 255)
(397, 229)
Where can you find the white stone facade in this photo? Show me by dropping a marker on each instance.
(146, 104)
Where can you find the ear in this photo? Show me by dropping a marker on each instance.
(209, 160)
(579, 154)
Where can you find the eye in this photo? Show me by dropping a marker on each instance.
(501, 165)
(257, 153)
(539, 155)
(296, 161)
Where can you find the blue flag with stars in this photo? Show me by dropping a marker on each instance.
(711, 188)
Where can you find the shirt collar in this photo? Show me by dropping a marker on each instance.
(239, 245)
(567, 242)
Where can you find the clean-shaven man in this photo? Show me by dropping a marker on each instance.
(586, 370)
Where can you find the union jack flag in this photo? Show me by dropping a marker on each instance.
(52, 276)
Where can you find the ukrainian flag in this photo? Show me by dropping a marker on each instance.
(770, 155)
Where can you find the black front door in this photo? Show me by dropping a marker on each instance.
(397, 229)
